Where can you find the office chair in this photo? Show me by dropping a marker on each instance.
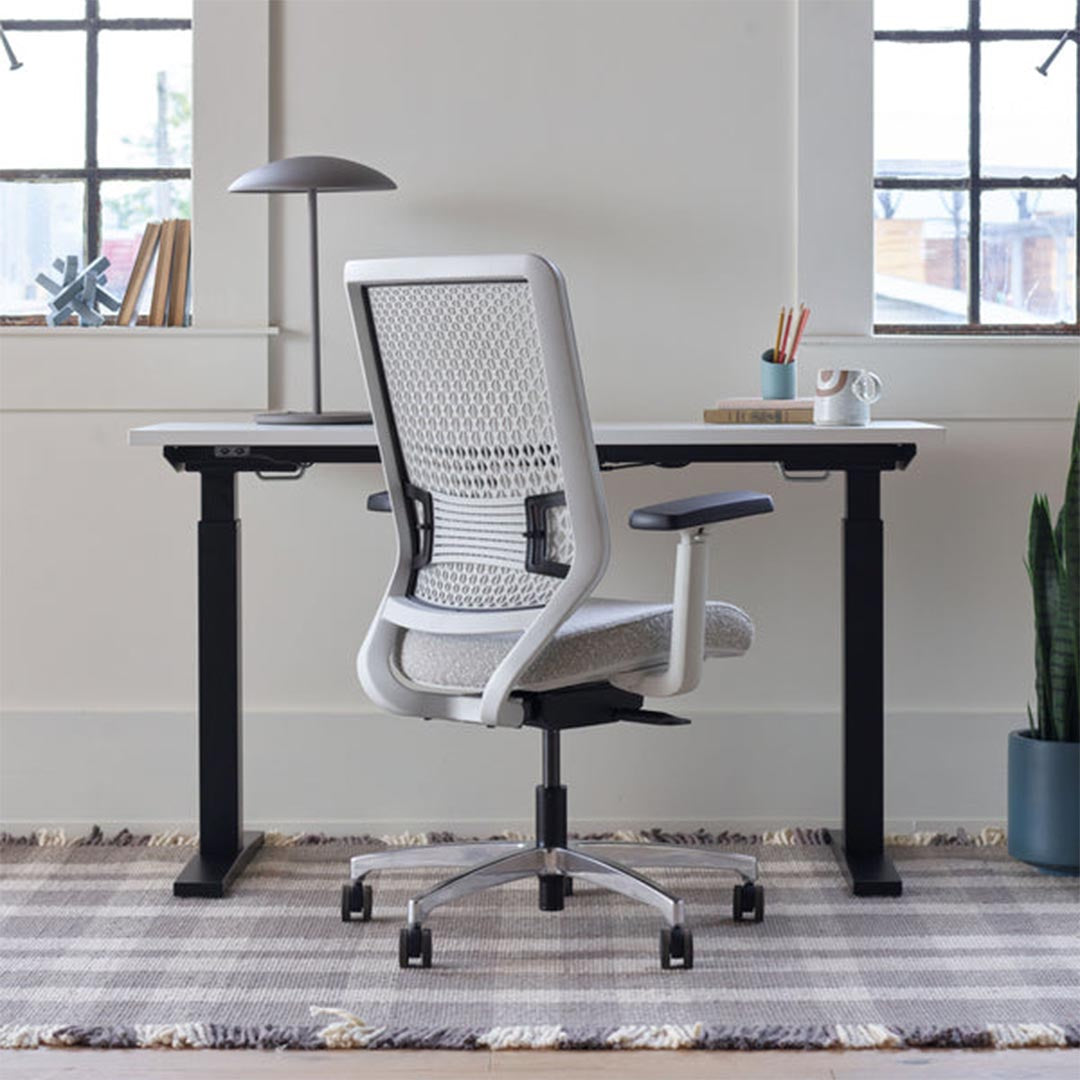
(489, 618)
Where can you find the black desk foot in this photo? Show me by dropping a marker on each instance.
(868, 875)
(207, 875)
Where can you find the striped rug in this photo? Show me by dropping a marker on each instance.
(95, 951)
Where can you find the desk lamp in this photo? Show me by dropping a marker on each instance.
(312, 174)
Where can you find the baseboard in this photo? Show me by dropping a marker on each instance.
(366, 773)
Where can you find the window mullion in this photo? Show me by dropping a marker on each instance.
(1076, 179)
(93, 185)
(974, 165)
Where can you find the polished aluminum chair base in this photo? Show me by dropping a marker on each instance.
(487, 864)
(554, 860)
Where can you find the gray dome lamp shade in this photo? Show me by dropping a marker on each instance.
(312, 174)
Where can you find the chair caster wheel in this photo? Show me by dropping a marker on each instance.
(414, 943)
(676, 943)
(356, 899)
(746, 899)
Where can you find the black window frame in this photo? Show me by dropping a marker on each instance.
(975, 183)
(91, 173)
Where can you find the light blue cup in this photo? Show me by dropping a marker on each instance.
(777, 381)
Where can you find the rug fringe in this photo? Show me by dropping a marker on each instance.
(1022, 1036)
(350, 1032)
(991, 836)
(656, 1037)
(523, 1037)
(867, 1037)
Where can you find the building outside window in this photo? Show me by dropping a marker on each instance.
(96, 139)
(975, 173)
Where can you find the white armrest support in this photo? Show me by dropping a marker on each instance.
(691, 518)
(683, 671)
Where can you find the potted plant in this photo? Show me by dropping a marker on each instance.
(1044, 761)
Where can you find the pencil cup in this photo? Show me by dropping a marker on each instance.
(777, 381)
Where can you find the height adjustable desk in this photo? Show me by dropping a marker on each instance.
(218, 452)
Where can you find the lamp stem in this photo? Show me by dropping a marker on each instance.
(316, 350)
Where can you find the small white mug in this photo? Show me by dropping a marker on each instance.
(843, 396)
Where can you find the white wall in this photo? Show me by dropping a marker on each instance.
(649, 149)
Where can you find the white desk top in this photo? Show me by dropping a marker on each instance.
(642, 433)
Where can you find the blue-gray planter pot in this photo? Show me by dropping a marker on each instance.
(1044, 803)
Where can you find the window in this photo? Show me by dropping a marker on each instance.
(97, 135)
(975, 166)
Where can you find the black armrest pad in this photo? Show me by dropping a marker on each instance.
(701, 510)
(379, 501)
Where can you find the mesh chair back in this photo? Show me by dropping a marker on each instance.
(464, 383)
(476, 393)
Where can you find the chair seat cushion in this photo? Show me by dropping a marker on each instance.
(601, 639)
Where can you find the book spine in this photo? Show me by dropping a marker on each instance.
(129, 309)
(759, 416)
(159, 302)
(179, 277)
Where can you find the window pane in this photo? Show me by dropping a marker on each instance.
(1028, 14)
(920, 256)
(920, 14)
(43, 103)
(145, 9)
(921, 109)
(42, 222)
(1028, 121)
(42, 9)
(144, 103)
(1028, 256)
(126, 207)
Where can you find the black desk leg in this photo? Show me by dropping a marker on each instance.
(860, 848)
(224, 848)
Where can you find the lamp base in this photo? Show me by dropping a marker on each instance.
(313, 418)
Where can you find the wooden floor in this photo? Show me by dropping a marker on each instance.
(523, 1065)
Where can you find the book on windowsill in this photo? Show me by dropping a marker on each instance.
(129, 309)
(761, 411)
(179, 288)
(159, 298)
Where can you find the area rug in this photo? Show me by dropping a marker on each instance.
(95, 951)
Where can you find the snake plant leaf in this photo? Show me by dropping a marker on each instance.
(1062, 661)
(1053, 565)
(1043, 571)
(1067, 538)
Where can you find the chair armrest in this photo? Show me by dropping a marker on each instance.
(699, 510)
(379, 501)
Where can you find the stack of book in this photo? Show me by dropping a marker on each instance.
(166, 245)
(761, 411)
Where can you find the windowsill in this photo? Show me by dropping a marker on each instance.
(946, 340)
(139, 331)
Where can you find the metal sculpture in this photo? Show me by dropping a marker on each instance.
(78, 292)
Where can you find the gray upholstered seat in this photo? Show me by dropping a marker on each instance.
(602, 638)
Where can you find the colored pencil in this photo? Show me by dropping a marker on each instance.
(803, 316)
(787, 330)
(779, 329)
